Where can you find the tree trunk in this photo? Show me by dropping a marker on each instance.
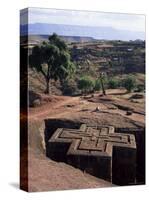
(48, 87)
(102, 86)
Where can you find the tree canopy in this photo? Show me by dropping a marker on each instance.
(53, 60)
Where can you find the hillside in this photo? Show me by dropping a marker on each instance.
(116, 59)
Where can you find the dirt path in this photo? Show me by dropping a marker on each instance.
(68, 106)
(50, 108)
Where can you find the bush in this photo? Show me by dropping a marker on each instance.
(69, 87)
(140, 88)
(113, 84)
(86, 84)
(97, 86)
(129, 83)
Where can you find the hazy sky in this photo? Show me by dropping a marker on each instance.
(131, 22)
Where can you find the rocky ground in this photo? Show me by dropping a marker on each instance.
(45, 174)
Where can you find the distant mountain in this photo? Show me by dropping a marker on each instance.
(107, 33)
(68, 39)
(77, 39)
(37, 39)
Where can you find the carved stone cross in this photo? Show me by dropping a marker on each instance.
(97, 150)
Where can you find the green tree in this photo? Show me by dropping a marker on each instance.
(129, 83)
(53, 60)
(86, 84)
(113, 83)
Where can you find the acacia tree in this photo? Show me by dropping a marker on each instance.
(53, 60)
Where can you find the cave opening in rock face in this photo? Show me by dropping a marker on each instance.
(119, 169)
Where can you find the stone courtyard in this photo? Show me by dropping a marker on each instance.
(97, 150)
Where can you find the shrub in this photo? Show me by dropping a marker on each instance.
(113, 83)
(69, 87)
(129, 83)
(140, 88)
(97, 86)
(86, 84)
